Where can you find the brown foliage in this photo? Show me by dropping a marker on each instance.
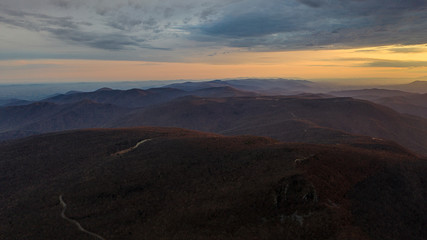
(192, 185)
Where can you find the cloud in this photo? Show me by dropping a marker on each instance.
(62, 3)
(312, 3)
(102, 41)
(302, 24)
(29, 66)
(253, 19)
(35, 21)
(383, 63)
(395, 64)
(256, 25)
(250, 25)
(68, 30)
(407, 50)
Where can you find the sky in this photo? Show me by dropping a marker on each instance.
(348, 41)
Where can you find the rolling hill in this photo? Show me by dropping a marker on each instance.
(41, 117)
(415, 86)
(403, 102)
(260, 86)
(312, 118)
(138, 98)
(371, 94)
(291, 118)
(100, 108)
(414, 104)
(132, 98)
(180, 184)
(13, 102)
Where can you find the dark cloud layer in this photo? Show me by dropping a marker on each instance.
(312, 3)
(102, 41)
(252, 24)
(408, 50)
(395, 64)
(71, 31)
(299, 24)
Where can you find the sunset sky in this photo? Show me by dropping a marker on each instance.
(347, 41)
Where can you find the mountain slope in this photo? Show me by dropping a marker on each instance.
(415, 104)
(370, 94)
(181, 184)
(301, 118)
(138, 98)
(220, 92)
(416, 86)
(132, 98)
(403, 102)
(44, 117)
(328, 120)
(261, 86)
(13, 102)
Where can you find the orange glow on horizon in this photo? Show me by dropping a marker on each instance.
(319, 64)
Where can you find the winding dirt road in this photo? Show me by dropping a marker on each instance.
(64, 208)
(64, 205)
(132, 148)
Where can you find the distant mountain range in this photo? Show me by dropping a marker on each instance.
(416, 87)
(313, 118)
(48, 117)
(13, 102)
(261, 86)
(38, 91)
(291, 118)
(233, 107)
(100, 108)
(403, 102)
(138, 98)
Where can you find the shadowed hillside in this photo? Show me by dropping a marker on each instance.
(138, 98)
(261, 86)
(292, 118)
(403, 102)
(125, 98)
(41, 117)
(217, 107)
(180, 184)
